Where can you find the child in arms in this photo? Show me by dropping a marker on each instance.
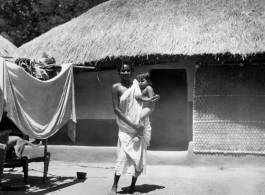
(148, 97)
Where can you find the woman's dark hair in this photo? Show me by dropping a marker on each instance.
(145, 75)
(125, 62)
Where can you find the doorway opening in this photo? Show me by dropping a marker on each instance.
(169, 119)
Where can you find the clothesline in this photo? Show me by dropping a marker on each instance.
(55, 65)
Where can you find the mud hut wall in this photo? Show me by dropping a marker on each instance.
(96, 121)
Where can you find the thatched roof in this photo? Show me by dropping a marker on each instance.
(7, 48)
(144, 27)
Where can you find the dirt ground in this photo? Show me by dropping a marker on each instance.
(159, 180)
(193, 175)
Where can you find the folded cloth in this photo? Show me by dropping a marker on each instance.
(19, 147)
(131, 155)
(40, 73)
(38, 108)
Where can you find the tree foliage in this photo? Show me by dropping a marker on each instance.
(23, 20)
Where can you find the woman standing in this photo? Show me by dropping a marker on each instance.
(131, 155)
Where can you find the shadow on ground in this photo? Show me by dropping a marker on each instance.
(14, 182)
(145, 188)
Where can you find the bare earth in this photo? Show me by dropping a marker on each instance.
(159, 180)
(193, 175)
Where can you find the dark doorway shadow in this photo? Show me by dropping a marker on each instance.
(169, 120)
(145, 188)
(37, 187)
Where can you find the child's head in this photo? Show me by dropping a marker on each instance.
(144, 79)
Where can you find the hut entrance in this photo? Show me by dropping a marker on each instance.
(169, 119)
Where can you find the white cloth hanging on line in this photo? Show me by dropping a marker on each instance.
(38, 108)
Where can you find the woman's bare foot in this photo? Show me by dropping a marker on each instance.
(113, 190)
(133, 191)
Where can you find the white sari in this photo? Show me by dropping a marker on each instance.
(131, 155)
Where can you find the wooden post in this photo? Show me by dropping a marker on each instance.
(45, 161)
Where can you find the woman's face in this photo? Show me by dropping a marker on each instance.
(125, 72)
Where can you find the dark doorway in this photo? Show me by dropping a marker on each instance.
(169, 119)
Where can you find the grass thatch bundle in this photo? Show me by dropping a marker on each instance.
(143, 27)
(7, 48)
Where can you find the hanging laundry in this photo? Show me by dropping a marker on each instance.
(46, 59)
(34, 69)
(26, 64)
(39, 109)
